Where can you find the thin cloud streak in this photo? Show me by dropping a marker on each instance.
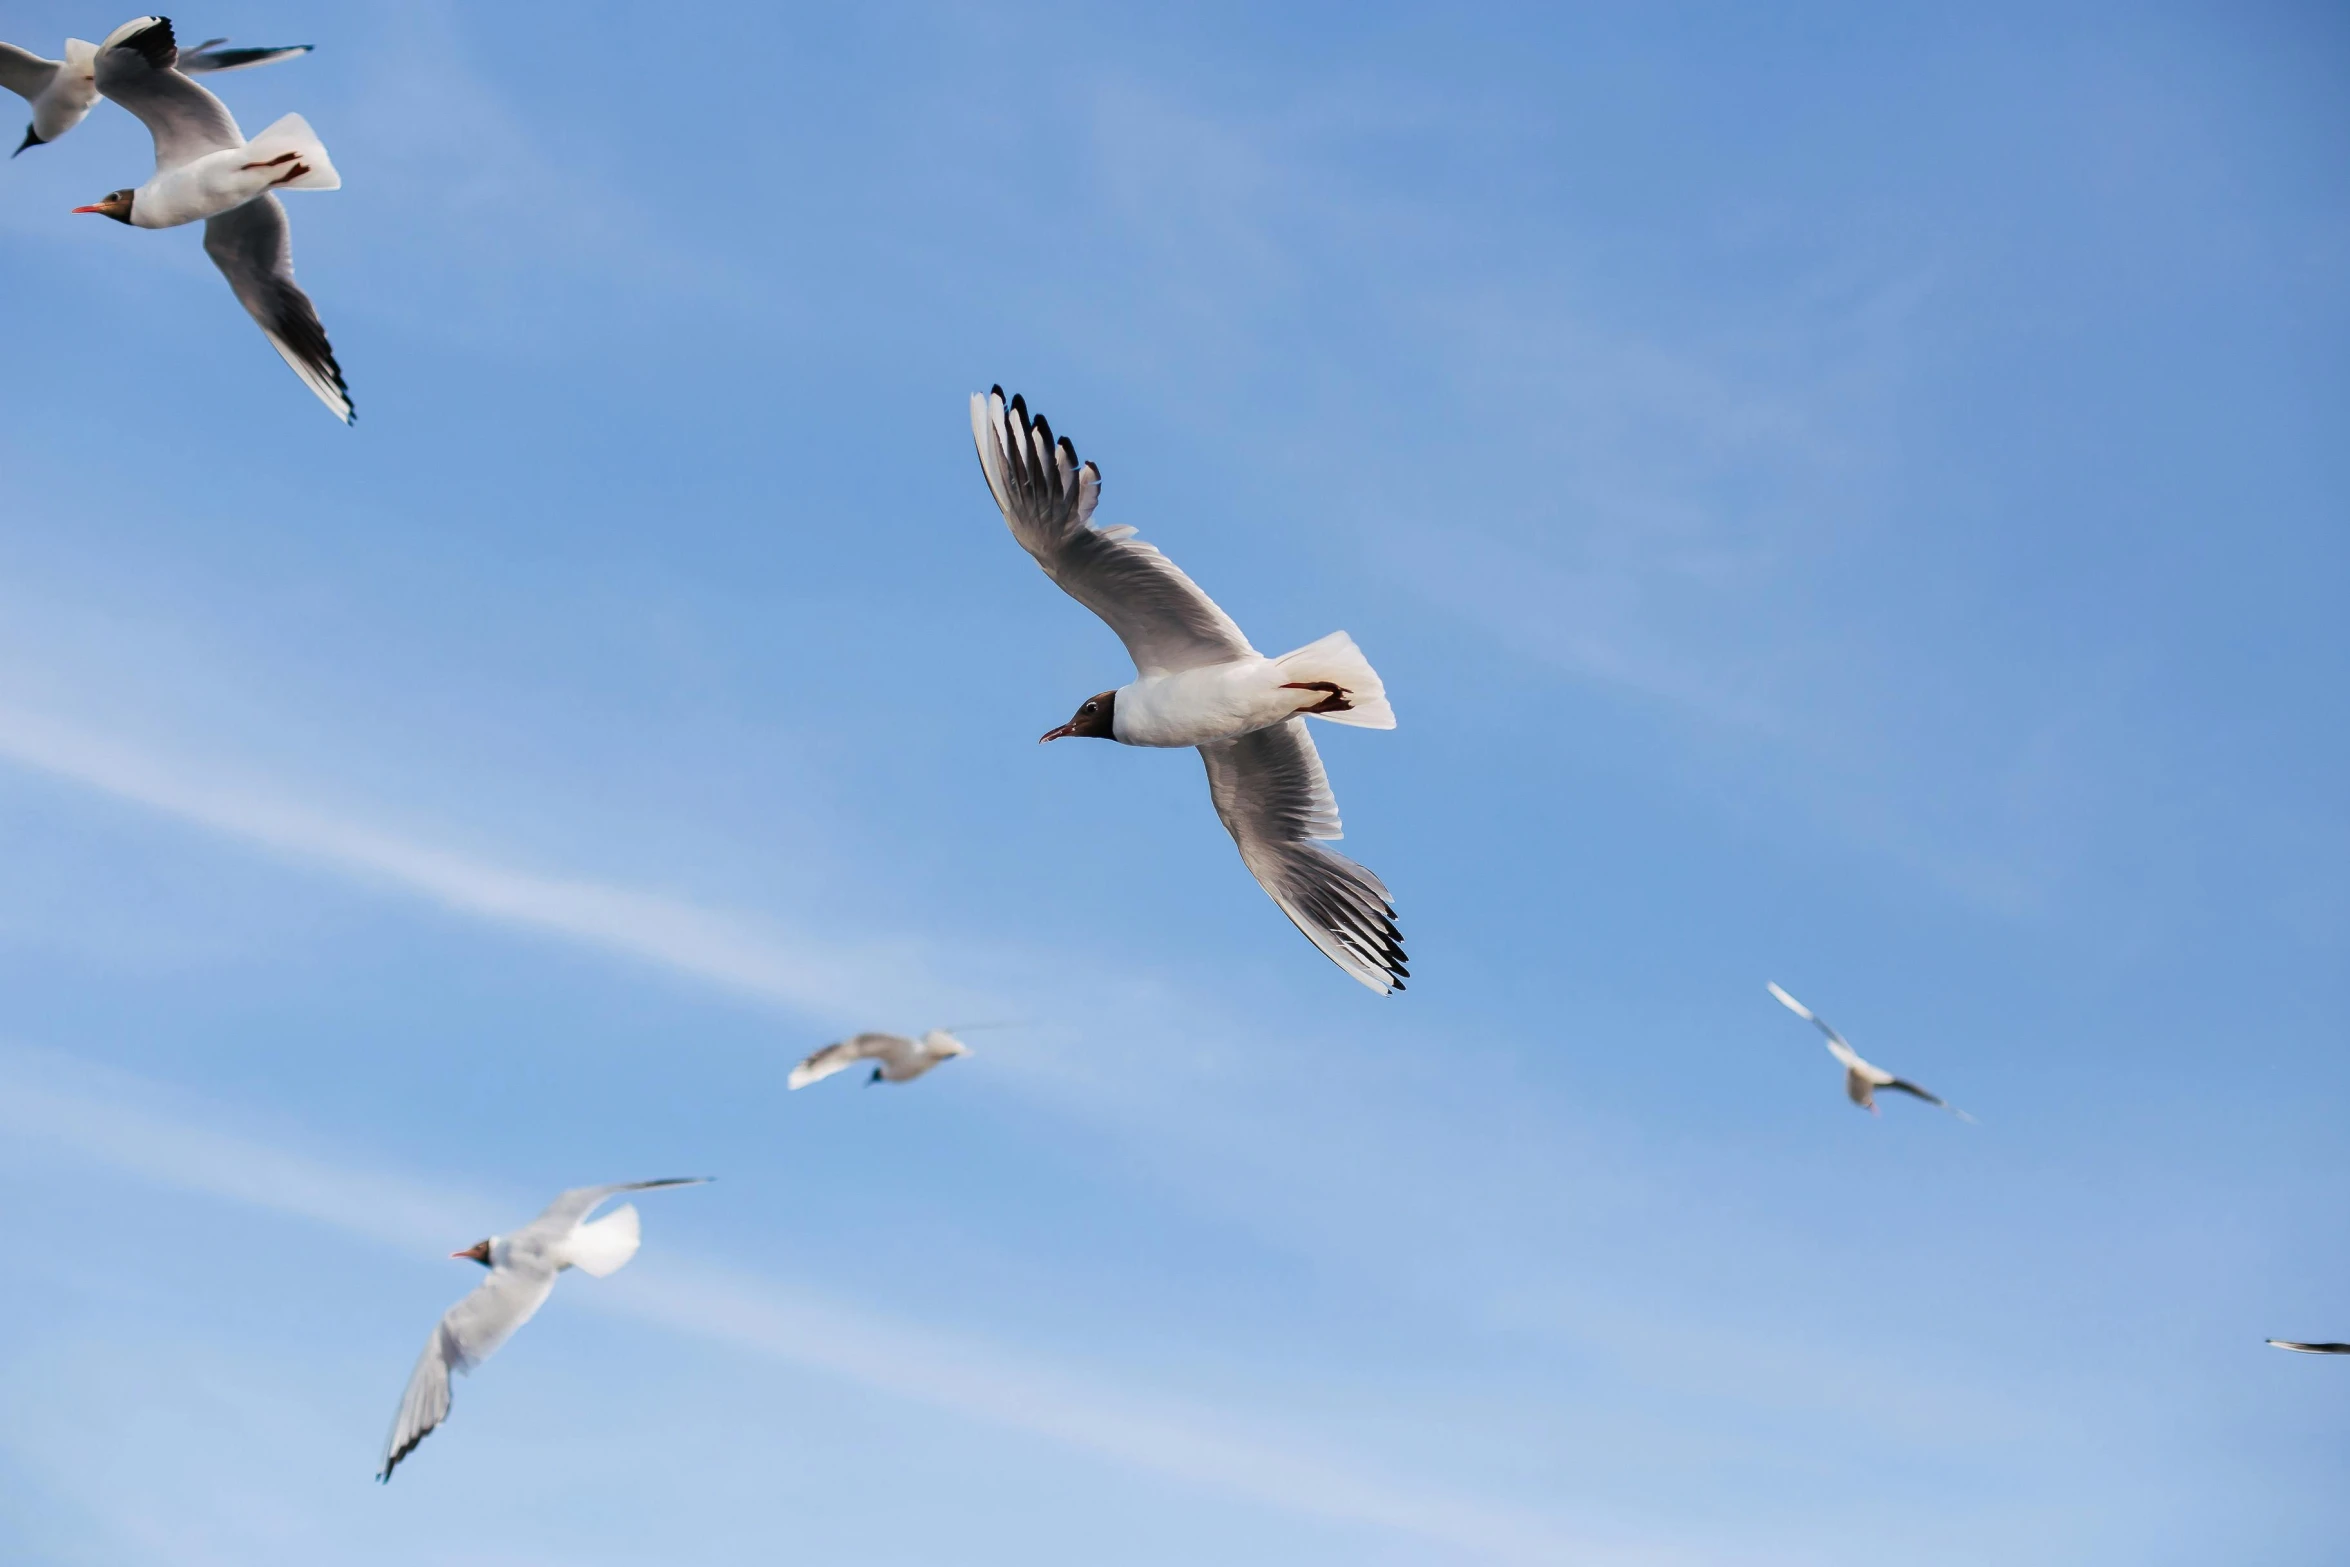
(737, 952)
(120, 1122)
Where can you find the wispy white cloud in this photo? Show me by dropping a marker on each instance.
(134, 1128)
(748, 955)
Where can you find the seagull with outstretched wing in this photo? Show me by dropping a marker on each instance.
(1199, 683)
(522, 1268)
(2309, 1349)
(895, 1058)
(1862, 1079)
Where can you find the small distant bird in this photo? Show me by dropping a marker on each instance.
(1861, 1079)
(63, 91)
(901, 1059)
(522, 1273)
(1199, 683)
(2311, 1349)
(204, 168)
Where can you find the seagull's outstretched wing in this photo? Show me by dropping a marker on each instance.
(1904, 1085)
(580, 1201)
(1837, 1045)
(25, 73)
(468, 1334)
(210, 57)
(2311, 1349)
(137, 69)
(1047, 497)
(253, 246)
(841, 1056)
(1275, 800)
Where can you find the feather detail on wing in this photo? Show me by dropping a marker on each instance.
(580, 1201)
(254, 248)
(467, 1335)
(1047, 498)
(1273, 797)
(137, 69)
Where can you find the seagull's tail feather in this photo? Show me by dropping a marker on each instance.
(605, 1246)
(294, 135)
(1336, 682)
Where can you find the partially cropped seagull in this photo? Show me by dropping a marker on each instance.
(900, 1059)
(2311, 1349)
(204, 168)
(1861, 1078)
(63, 91)
(1199, 683)
(522, 1273)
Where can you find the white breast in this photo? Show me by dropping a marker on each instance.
(1195, 706)
(203, 189)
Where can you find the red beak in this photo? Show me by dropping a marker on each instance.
(89, 209)
(1062, 733)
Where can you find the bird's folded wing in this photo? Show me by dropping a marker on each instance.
(208, 56)
(580, 1201)
(1047, 497)
(24, 73)
(254, 248)
(467, 1334)
(1274, 799)
(136, 69)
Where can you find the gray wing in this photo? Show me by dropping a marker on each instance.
(467, 1334)
(845, 1054)
(1905, 1086)
(1166, 622)
(577, 1203)
(136, 69)
(1275, 800)
(2311, 1349)
(253, 246)
(208, 56)
(24, 73)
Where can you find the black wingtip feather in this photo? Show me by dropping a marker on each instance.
(154, 43)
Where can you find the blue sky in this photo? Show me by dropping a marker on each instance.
(1840, 498)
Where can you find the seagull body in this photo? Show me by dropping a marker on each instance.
(205, 169)
(1862, 1079)
(2311, 1349)
(61, 92)
(1199, 683)
(896, 1058)
(522, 1274)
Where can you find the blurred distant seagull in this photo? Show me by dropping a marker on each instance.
(2311, 1349)
(522, 1273)
(204, 168)
(1199, 683)
(1861, 1079)
(63, 91)
(901, 1059)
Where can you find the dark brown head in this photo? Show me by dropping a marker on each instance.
(116, 206)
(1092, 721)
(479, 1252)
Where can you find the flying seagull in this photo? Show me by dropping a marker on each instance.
(1199, 683)
(901, 1059)
(1861, 1078)
(2311, 1349)
(63, 91)
(522, 1272)
(204, 168)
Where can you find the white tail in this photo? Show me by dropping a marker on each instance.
(1336, 661)
(606, 1245)
(293, 134)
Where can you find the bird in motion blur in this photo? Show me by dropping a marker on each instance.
(62, 92)
(206, 170)
(1862, 1079)
(896, 1058)
(2310, 1349)
(1199, 683)
(522, 1268)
